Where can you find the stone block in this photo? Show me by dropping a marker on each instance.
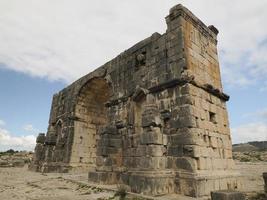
(185, 110)
(156, 184)
(146, 163)
(51, 140)
(192, 151)
(124, 178)
(265, 181)
(186, 136)
(103, 142)
(176, 151)
(104, 177)
(104, 150)
(115, 143)
(227, 195)
(39, 152)
(140, 150)
(186, 186)
(151, 120)
(41, 138)
(206, 163)
(155, 150)
(151, 116)
(183, 121)
(108, 130)
(184, 100)
(152, 136)
(185, 163)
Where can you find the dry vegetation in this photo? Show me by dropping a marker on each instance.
(253, 156)
(250, 152)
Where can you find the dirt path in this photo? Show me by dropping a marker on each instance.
(252, 175)
(21, 184)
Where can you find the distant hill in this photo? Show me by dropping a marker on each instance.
(260, 145)
(250, 146)
(250, 152)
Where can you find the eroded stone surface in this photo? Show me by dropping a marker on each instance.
(227, 195)
(154, 118)
(265, 181)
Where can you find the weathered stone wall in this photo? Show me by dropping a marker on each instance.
(154, 118)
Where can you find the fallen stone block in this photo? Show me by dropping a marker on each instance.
(227, 195)
(265, 181)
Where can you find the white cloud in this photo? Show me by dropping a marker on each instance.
(30, 128)
(2, 123)
(7, 141)
(62, 40)
(250, 132)
(242, 38)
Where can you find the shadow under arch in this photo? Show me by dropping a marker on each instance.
(91, 113)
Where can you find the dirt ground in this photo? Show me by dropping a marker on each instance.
(252, 179)
(22, 184)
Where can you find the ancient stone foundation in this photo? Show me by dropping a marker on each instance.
(154, 118)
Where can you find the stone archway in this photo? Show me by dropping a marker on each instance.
(91, 114)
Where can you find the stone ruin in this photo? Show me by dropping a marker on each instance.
(153, 119)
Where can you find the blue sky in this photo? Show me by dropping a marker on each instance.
(46, 45)
(25, 101)
(25, 105)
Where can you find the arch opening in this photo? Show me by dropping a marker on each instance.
(91, 113)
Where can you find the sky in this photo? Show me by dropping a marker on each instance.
(47, 44)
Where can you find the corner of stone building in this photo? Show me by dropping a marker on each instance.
(196, 45)
(208, 120)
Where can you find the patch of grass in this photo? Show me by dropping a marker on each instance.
(121, 192)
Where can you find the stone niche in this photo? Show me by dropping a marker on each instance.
(153, 119)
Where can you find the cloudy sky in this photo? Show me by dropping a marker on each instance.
(47, 44)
